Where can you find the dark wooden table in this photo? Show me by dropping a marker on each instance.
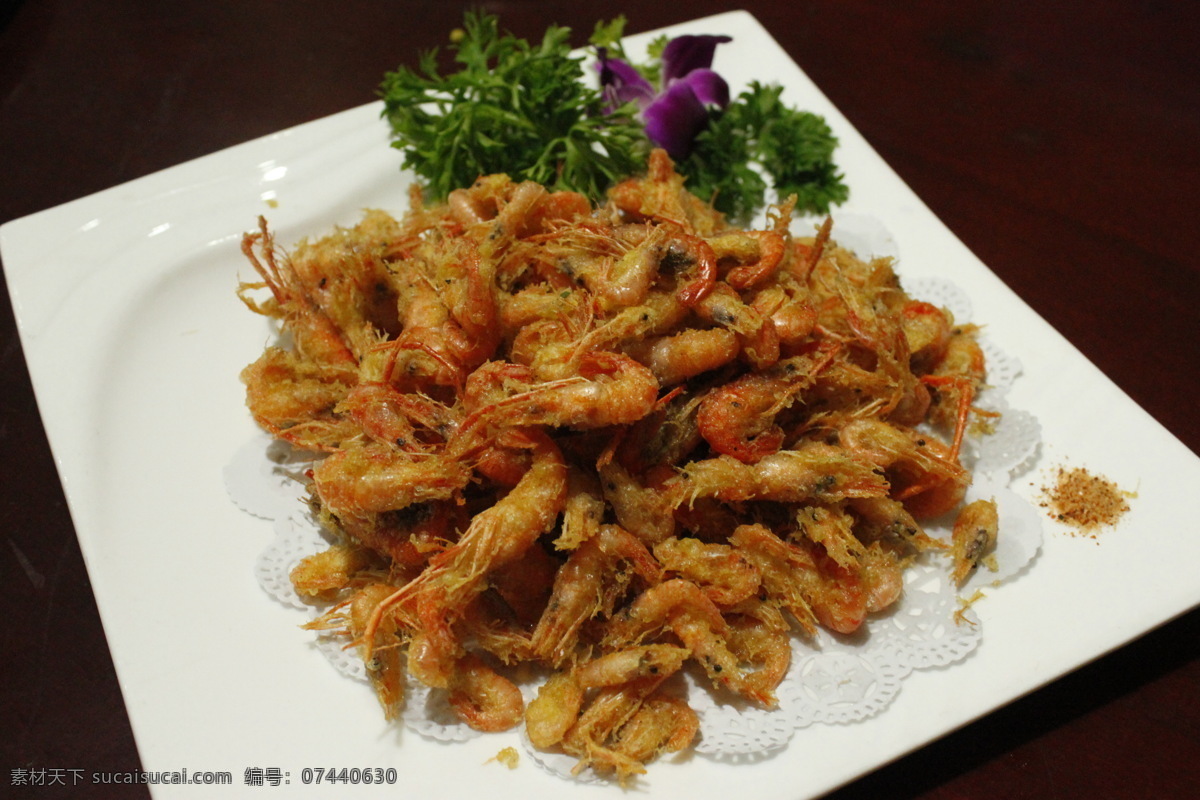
(1058, 140)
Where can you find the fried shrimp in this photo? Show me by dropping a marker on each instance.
(484, 699)
(974, 536)
(629, 664)
(605, 444)
(372, 478)
(738, 418)
(584, 589)
(814, 471)
(923, 472)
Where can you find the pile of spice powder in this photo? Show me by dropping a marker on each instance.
(1084, 501)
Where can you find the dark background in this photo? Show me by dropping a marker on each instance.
(1058, 140)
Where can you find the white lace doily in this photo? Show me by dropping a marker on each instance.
(833, 679)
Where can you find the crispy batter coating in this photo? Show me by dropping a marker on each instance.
(608, 442)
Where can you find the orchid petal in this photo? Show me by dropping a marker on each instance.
(710, 88)
(674, 119)
(684, 54)
(621, 83)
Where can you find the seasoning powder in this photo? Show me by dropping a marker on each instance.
(1084, 501)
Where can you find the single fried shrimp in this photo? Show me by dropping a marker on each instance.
(757, 333)
(384, 664)
(606, 389)
(693, 258)
(296, 399)
(631, 663)
(789, 308)
(642, 509)
(505, 531)
(397, 418)
(371, 478)
(927, 331)
(328, 570)
(924, 474)
(955, 379)
(764, 647)
(724, 575)
(976, 530)
(483, 698)
(627, 264)
(554, 710)
(690, 352)
(757, 253)
(461, 330)
(812, 471)
(316, 336)
(738, 418)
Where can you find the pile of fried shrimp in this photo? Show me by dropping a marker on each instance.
(607, 443)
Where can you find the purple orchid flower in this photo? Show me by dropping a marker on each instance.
(675, 114)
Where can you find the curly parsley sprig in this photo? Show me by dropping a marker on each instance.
(792, 150)
(512, 107)
(527, 110)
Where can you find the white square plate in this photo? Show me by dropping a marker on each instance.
(134, 338)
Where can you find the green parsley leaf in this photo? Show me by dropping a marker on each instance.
(608, 34)
(792, 150)
(512, 107)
